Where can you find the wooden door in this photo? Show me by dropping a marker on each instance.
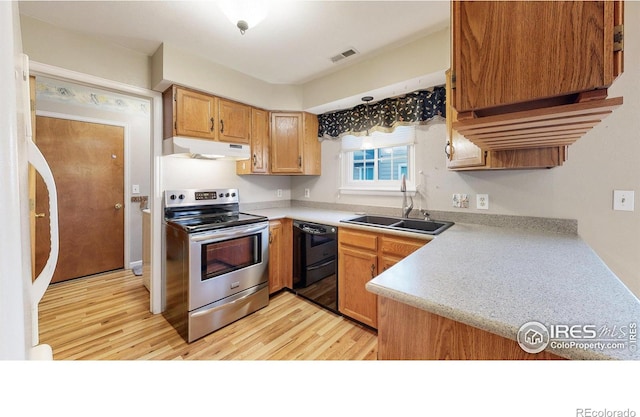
(195, 114)
(87, 161)
(235, 122)
(286, 143)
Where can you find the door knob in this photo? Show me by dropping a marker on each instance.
(118, 206)
(39, 215)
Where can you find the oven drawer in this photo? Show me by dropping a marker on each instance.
(216, 315)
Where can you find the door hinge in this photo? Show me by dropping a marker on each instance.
(453, 80)
(618, 38)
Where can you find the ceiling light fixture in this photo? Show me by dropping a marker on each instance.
(244, 14)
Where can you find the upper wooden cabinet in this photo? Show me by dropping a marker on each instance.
(189, 113)
(294, 146)
(259, 161)
(462, 154)
(534, 73)
(235, 122)
(195, 114)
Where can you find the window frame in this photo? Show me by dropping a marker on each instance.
(376, 187)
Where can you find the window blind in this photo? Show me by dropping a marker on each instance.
(402, 135)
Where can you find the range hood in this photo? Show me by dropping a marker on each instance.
(205, 149)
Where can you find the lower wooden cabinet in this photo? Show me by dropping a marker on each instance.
(428, 336)
(361, 256)
(280, 254)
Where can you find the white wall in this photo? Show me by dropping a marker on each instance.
(89, 55)
(179, 172)
(171, 65)
(423, 56)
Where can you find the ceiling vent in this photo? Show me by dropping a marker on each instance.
(343, 55)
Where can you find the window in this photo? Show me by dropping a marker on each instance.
(377, 162)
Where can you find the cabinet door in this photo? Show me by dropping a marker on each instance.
(235, 122)
(195, 114)
(508, 52)
(312, 157)
(259, 141)
(286, 143)
(460, 151)
(386, 262)
(276, 274)
(355, 269)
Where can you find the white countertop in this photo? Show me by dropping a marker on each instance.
(498, 278)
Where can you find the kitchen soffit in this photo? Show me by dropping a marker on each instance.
(293, 45)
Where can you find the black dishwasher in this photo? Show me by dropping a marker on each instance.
(315, 263)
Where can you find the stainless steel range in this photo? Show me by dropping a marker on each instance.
(215, 265)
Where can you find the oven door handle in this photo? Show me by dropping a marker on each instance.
(220, 235)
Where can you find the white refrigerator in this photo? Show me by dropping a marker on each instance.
(19, 296)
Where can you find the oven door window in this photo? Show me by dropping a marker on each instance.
(226, 256)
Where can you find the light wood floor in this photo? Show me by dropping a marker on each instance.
(107, 317)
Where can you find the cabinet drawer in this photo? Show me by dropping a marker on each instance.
(400, 247)
(358, 239)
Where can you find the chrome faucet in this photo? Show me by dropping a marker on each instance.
(406, 209)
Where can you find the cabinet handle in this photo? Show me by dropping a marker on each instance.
(221, 126)
(270, 238)
(448, 150)
(300, 161)
(373, 269)
(255, 160)
(212, 124)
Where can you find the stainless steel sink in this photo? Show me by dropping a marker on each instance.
(429, 227)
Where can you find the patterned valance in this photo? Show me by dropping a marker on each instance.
(414, 108)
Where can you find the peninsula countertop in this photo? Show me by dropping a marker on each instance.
(499, 278)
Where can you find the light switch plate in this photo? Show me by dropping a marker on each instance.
(460, 200)
(623, 200)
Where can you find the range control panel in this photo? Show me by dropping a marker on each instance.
(191, 197)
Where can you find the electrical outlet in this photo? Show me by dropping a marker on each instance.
(307, 193)
(482, 201)
(623, 200)
(135, 189)
(279, 192)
